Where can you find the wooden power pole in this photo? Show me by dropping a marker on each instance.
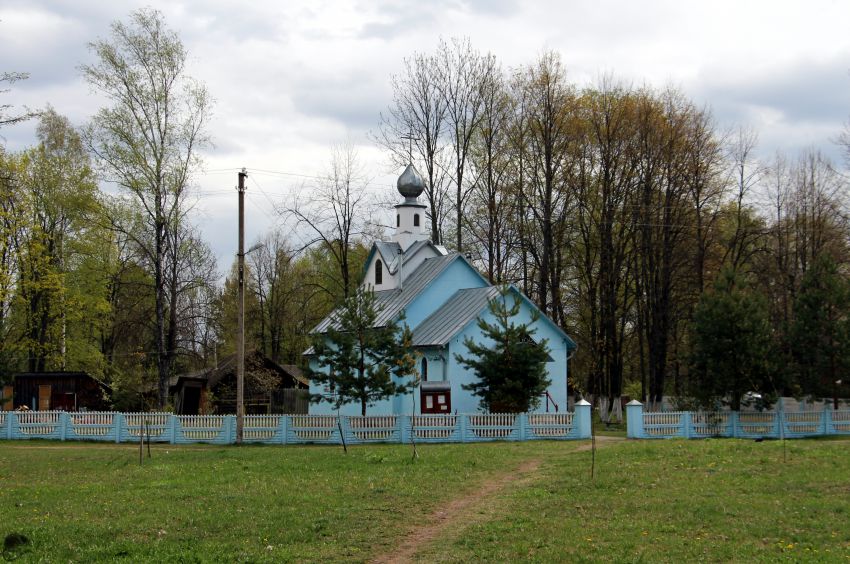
(240, 345)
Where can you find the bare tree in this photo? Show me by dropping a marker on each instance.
(746, 174)
(336, 212)
(276, 284)
(550, 102)
(463, 71)
(492, 201)
(412, 129)
(147, 143)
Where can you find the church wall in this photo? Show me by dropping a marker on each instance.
(443, 364)
(465, 402)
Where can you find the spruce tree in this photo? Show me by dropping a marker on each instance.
(820, 333)
(361, 358)
(731, 344)
(511, 367)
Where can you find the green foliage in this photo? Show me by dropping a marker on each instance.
(364, 362)
(820, 333)
(510, 366)
(46, 234)
(731, 343)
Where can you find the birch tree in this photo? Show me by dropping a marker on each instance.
(146, 142)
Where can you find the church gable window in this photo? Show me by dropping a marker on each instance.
(379, 272)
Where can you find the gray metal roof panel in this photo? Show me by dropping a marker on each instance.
(462, 308)
(393, 302)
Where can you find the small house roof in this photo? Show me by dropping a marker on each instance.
(214, 374)
(62, 375)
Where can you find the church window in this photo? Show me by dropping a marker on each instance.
(424, 369)
(397, 220)
(416, 220)
(379, 273)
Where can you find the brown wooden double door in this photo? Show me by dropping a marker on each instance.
(436, 401)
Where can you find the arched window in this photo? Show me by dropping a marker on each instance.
(397, 220)
(424, 369)
(379, 273)
(416, 220)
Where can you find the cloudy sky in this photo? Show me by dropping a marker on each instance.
(292, 78)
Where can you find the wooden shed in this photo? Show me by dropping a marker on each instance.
(65, 391)
(269, 388)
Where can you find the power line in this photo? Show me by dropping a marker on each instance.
(264, 171)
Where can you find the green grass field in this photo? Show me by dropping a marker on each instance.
(715, 500)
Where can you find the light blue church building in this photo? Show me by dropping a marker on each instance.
(442, 296)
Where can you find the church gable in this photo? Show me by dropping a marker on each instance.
(456, 274)
(387, 267)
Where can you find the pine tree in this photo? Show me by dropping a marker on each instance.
(365, 363)
(731, 344)
(510, 365)
(820, 334)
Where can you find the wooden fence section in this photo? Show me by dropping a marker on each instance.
(745, 424)
(295, 429)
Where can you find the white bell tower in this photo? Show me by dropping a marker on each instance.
(410, 215)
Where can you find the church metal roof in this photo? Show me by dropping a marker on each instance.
(390, 252)
(393, 302)
(462, 308)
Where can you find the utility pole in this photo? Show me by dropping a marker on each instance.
(240, 345)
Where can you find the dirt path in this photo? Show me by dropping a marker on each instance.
(467, 509)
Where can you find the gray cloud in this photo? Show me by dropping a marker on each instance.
(292, 77)
(354, 99)
(810, 92)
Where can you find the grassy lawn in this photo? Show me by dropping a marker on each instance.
(655, 501)
(675, 501)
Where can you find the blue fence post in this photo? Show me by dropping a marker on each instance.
(686, 422)
(11, 421)
(777, 422)
(227, 424)
(634, 420)
(284, 427)
(172, 428)
(463, 420)
(344, 426)
(827, 421)
(522, 422)
(403, 429)
(733, 422)
(581, 419)
(63, 424)
(117, 421)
